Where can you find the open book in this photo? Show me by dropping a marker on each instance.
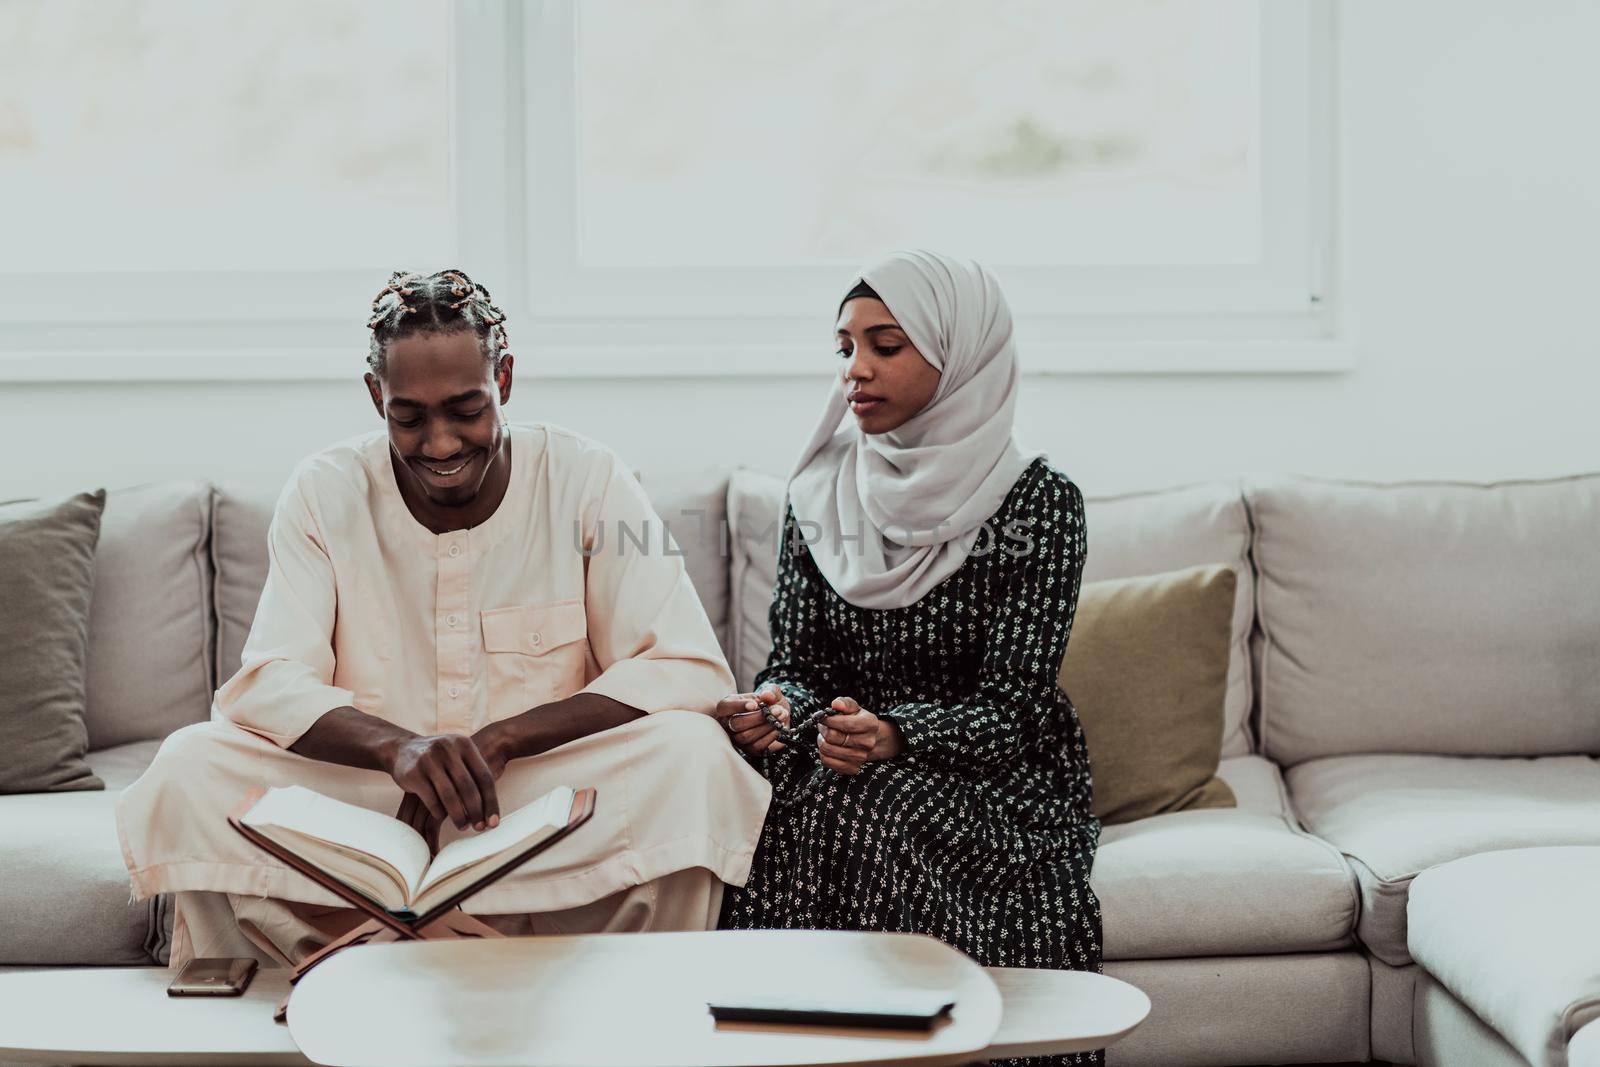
(387, 861)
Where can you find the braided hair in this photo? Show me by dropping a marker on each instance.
(443, 301)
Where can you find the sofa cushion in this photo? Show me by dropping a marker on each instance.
(1222, 881)
(1147, 671)
(1129, 534)
(47, 572)
(1434, 617)
(1395, 816)
(62, 879)
(151, 654)
(239, 519)
(1531, 965)
(693, 502)
(1169, 529)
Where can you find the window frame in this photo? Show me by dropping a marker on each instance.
(513, 187)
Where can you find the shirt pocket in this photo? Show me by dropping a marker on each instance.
(536, 654)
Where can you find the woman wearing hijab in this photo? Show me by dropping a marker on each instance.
(927, 579)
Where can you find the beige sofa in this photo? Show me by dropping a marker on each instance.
(1413, 688)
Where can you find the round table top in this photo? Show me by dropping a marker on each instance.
(641, 998)
(122, 1015)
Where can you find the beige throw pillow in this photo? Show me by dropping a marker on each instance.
(1147, 670)
(47, 552)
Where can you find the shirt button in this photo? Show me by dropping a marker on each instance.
(535, 640)
(455, 550)
(452, 619)
(455, 690)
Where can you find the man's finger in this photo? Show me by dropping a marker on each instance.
(479, 768)
(448, 798)
(427, 796)
(430, 834)
(467, 789)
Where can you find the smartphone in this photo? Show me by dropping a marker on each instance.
(213, 976)
(910, 1010)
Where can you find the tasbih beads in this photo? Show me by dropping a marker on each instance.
(790, 734)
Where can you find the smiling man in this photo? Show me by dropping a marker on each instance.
(448, 631)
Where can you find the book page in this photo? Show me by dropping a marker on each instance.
(364, 836)
(517, 830)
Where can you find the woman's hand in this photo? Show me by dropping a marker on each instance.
(450, 778)
(743, 716)
(849, 738)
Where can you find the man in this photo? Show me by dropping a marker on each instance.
(451, 626)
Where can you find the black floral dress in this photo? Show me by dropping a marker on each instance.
(980, 833)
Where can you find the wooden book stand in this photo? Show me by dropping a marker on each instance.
(443, 920)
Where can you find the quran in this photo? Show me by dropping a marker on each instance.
(388, 862)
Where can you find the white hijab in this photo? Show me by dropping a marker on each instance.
(918, 495)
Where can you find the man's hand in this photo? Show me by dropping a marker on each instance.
(415, 815)
(495, 743)
(449, 777)
(742, 715)
(849, 738)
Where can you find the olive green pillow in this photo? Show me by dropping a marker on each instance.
(1147, 670)
(47, 572)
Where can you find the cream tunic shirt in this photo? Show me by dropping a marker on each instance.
(570, 586)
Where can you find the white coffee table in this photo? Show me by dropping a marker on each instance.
(122, 1015)
(573, 1001)
(604, 1000)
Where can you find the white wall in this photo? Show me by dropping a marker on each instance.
(1471, 223)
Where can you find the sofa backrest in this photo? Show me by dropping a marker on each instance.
(150, 665)
(1130, 534)
(694, 505)
(1160, 530)
(1432, 617)
(240, 516)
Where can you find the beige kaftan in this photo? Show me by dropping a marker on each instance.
(365, 606)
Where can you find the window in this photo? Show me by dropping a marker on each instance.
(650, 186)
(180, 136)
(1028, 133)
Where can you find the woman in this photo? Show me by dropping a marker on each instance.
(925, 609)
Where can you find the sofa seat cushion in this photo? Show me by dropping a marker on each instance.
(1515, 936)
(1395, 816)
(62, 877)
(1222, 881)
